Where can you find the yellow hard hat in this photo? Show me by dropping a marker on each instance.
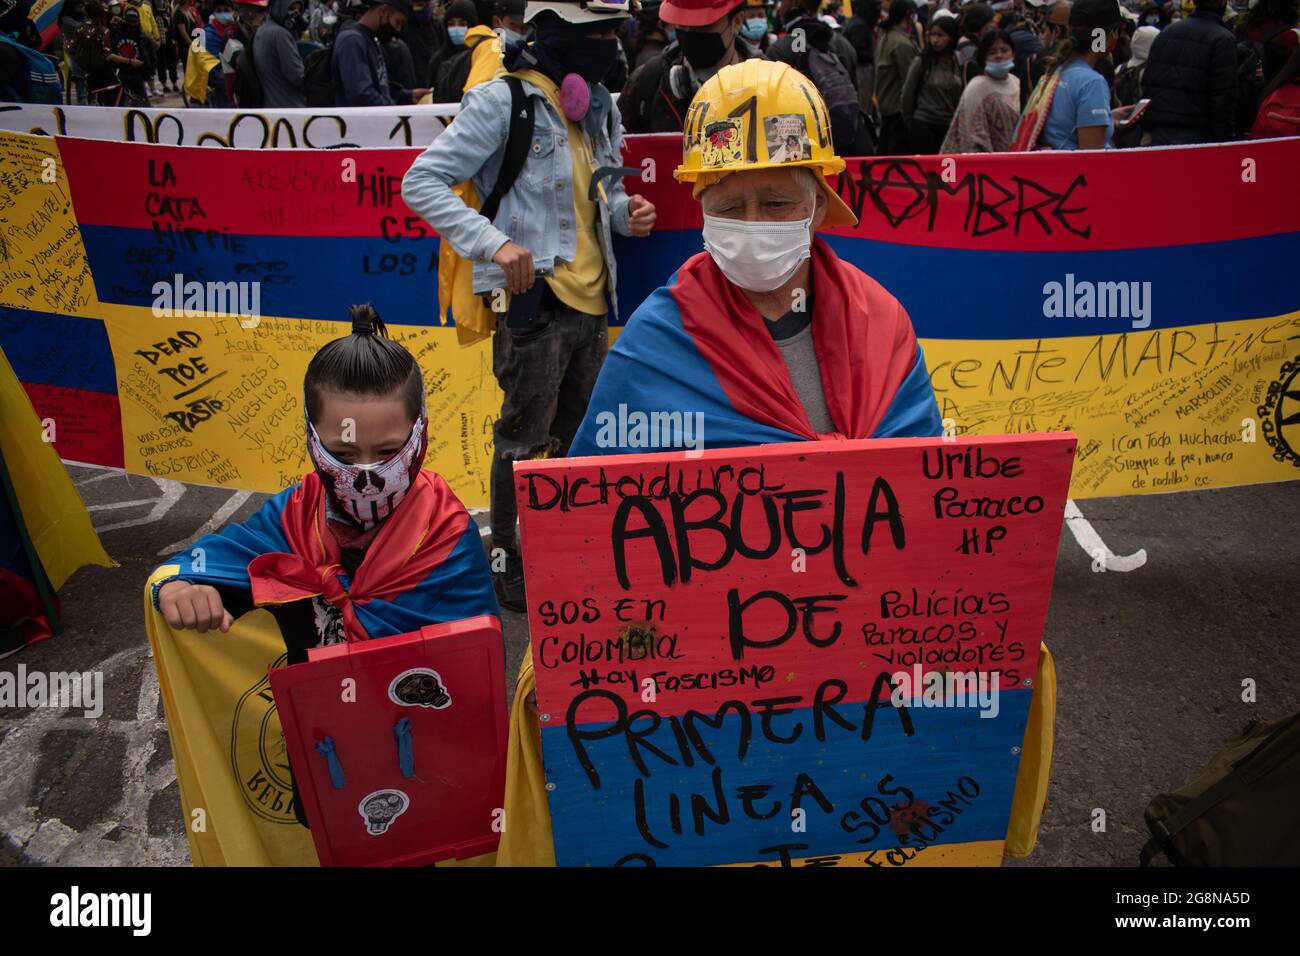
(759, 114)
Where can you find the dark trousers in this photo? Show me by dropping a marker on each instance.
(926, 138)
(894, 140)
(547, 372)
(167, 63)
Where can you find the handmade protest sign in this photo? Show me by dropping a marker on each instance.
(791, 652)
(398, 744)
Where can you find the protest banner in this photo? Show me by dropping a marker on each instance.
(1048, 294)
(818, 653)
(340, 127)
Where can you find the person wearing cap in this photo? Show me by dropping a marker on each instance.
(767, 333)
(709, 37)
(152, 36)
(1070, 107)
(553, 226)
(357, 66)
(276, 58)
(221, 26)
(130, 41)
(1191, 80)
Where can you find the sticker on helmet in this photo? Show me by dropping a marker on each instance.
(787, 138)
(381, 808)
(419, 687)
(720, 145)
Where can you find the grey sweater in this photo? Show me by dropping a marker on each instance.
(276, 59)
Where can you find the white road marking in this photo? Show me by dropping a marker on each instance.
(1091, 542)
(171, 493)
(108, 473)
(233, 504)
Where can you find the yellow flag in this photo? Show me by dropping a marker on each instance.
(52, 509)
(197, 67)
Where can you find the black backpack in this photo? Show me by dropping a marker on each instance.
(1241, 811)
(449, 84)
(848, 126)
(1257, 63)
(317, 79)
(248, 86)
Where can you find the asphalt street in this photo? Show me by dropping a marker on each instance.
(1150, 663)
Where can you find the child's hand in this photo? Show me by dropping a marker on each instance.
(194, 607)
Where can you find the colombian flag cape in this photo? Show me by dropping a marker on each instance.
(699, 345)
(426, 566)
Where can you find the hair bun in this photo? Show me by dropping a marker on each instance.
(366, 321)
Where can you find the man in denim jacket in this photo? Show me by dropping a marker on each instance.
(545, 228)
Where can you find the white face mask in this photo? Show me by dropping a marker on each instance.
(758, 256)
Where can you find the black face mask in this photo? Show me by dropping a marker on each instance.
(296, 22)
(386, 33)
(702, 50)
(560, 52)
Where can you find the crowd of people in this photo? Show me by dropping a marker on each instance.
(898, 76)
(767, 332)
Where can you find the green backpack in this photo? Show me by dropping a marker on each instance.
(1244, 810)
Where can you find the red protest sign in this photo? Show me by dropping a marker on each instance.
(398, 745)
(731, 644)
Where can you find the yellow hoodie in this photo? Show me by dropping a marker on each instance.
(148, 23)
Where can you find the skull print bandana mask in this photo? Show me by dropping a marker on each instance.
(368, 494)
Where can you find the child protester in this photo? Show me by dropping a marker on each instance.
(368, 545)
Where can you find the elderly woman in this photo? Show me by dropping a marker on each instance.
(774, 339)
(768, 333)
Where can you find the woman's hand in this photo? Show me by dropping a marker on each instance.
(194, 607)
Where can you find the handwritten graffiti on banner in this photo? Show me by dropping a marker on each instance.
(1157, 346)
(788, 652)
(337, 128)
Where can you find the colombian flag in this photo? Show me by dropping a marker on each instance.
(426, 566)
